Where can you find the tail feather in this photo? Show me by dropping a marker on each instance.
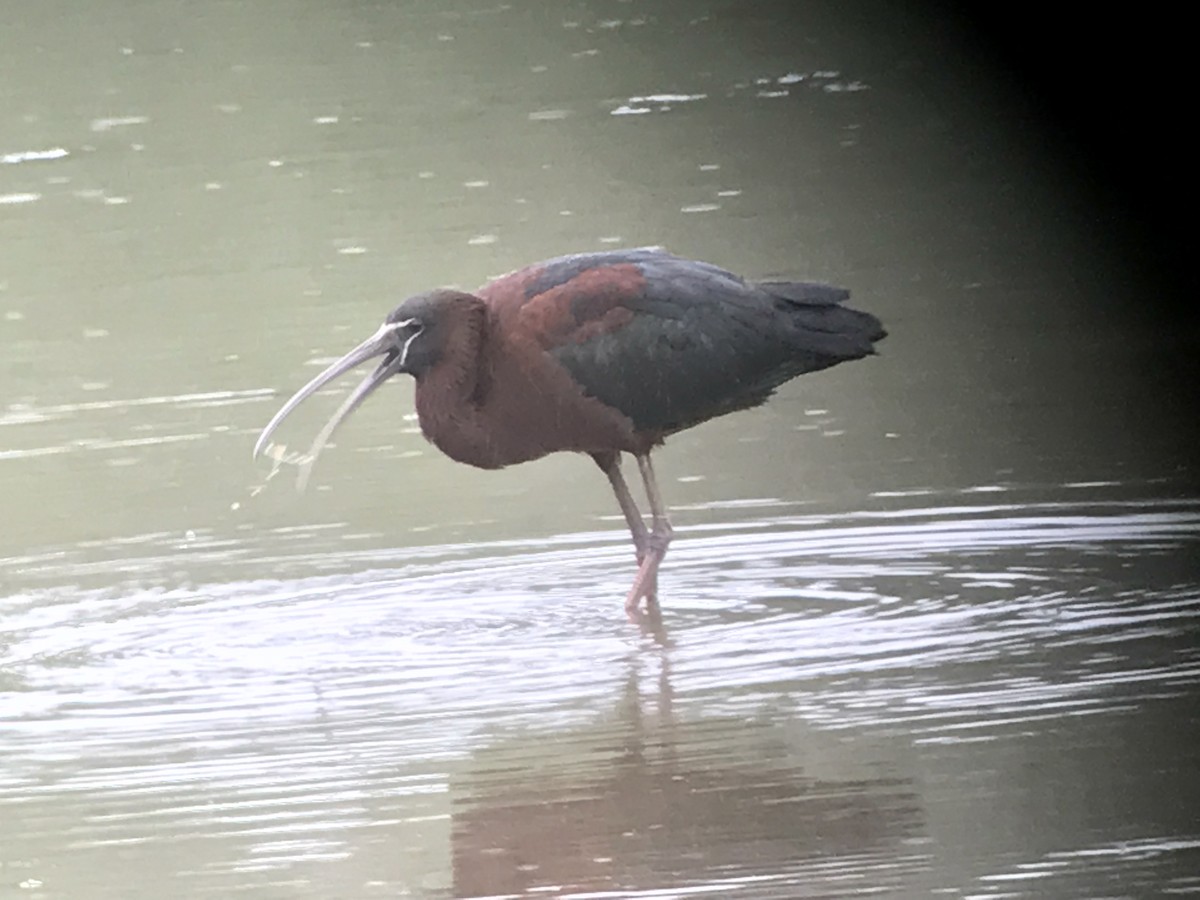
(823, 326)
(808, 292)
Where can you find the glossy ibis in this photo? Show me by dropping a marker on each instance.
(599, 353)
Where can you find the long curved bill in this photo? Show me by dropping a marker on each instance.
(377, 344)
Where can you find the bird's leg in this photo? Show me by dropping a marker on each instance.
(646, 582)
(610, 463)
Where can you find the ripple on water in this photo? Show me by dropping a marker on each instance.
(405, 711)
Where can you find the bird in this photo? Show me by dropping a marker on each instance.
(601, 353)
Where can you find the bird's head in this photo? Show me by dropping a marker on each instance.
(411, 339)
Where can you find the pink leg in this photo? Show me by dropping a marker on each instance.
(610, 463)
(655, 547)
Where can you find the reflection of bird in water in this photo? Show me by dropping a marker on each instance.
(649, 798)
(601, 353)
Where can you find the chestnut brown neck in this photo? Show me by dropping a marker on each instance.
(451, 392)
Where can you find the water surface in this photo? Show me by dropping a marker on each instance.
(929, 624)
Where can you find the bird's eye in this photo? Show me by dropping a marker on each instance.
(409, 327)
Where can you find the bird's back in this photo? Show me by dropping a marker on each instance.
(672, 342)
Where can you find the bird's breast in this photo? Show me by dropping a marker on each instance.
(532, 408)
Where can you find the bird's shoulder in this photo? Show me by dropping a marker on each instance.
(574, 299)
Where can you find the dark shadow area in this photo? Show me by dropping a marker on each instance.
(1107, 96)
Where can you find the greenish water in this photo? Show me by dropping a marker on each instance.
(930, 619)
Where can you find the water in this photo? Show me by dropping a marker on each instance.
(930, 619)
(838, 697)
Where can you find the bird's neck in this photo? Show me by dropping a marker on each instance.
(450, 394)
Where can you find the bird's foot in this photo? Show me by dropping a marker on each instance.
(650, 552)
(644, 585)
(649, 620)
